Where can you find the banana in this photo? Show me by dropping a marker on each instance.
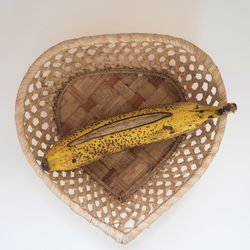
(129, 130)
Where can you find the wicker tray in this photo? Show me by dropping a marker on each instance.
(83, 80)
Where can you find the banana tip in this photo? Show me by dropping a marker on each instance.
(228, 108)
(45, 164)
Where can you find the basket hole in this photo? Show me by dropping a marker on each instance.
(91, 52)
(34, 97)
(212, 135)
(129, 224)
(193, 166)
(209, 99)
(126, 50)
(137, 51)
(134, 44)
(47, 64)
(216, 103)
(80, 199)
(191, 67)
(183, 59)
(182, 69)
(33, 109)
(205, 86)
(215, 120)
(68, 60)
(169, 45)
(45, 125)
(130, 58)
(151, 57)
(45, 92)
(44, 146)
(186, 152)
(100, 59)
(207, 146)
(30, 129)
(160, 201)
(34, 141)
(35, 121)
(200, 156)
(192, 58)
(183, 168)
(209, 77)
(42, 103)
(58, 74)
(190, 158)
(106, 219)
(198, 76)
(199, 96)
(203, 139)
(162, 59)
(71, 191)
(159, 192)
(111, 58)
(186, 175)
(46, 73)
(72, 51)
(31, 88)
(197, 150)
(188, 77)
(38, 162)
(208, 127)
(172, 62)
(198, 132)
(169, 192)
(38, 133)
(67, 68)
(174, 169)
(27, 115)
(78, 65)
(56, 65)
(44, 114)
(37, 74)
(171, 53)
(79, 54)
(201, 67)
(40, 153)
(140, 58)
(49, 83)
(213, 90)
(180, 160)
(105, 209)
(195, 85)
(27, 102)
(159, 50)
(38, 85)
(193, 143)
(85, 47)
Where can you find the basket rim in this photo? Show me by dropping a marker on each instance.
(107, 38)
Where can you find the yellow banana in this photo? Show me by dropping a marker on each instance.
(128, 130)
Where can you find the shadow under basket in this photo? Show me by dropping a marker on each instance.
(80, 81)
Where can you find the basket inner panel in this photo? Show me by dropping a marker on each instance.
(93, 97)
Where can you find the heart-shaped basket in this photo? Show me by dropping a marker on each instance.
(83, 80)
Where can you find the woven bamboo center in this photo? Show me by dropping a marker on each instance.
(93, 97)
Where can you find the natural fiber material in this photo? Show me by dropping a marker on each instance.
(79, 81)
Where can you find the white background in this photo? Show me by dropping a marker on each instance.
(215, 213)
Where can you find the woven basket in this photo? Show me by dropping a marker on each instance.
(83, 80)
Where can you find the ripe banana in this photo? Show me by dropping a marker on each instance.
(128, 130)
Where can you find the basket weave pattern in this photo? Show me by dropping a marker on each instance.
(119, 61)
